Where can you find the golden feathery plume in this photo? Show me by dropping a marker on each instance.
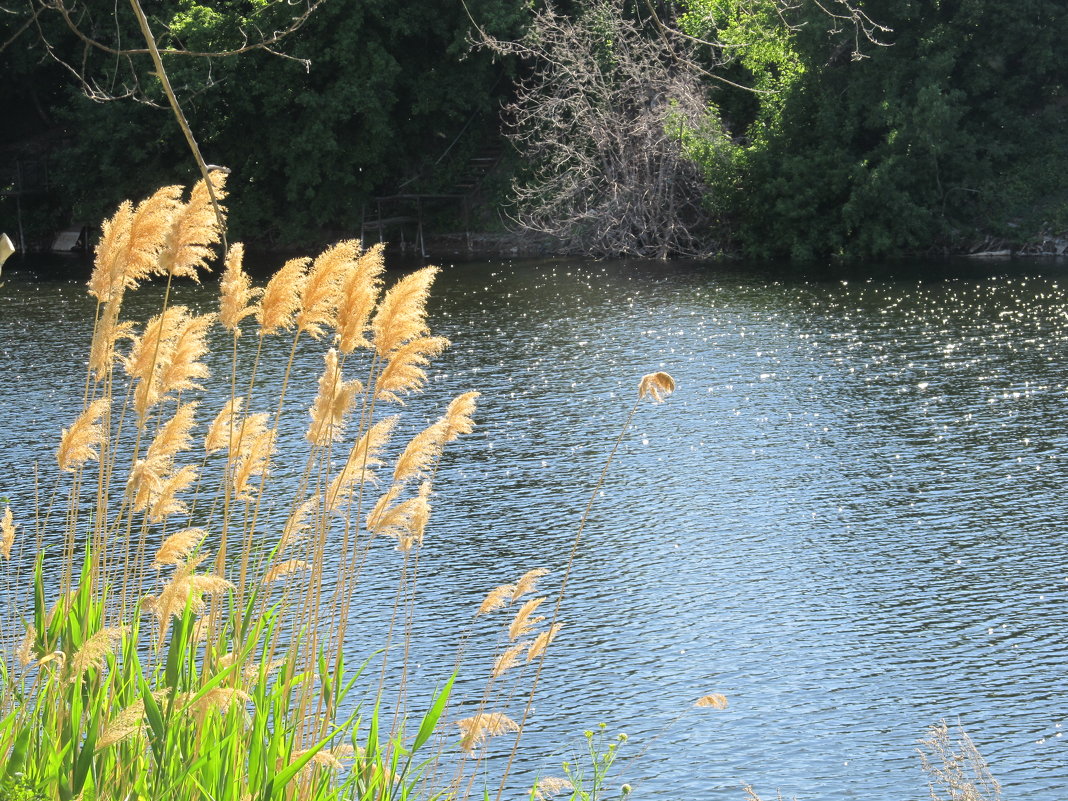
(194, 229)
(417, 511)
(486, 724)
(7, 533)
(402, 521)
(128, 722)
(404, 372)
(152, 477)
(364, 457)
(523, 623)
(148, 233)
(496, 599)
(401, 315)
(166, 502)
(93, 651)
(421, 452)
(78, 444)
(359, 290)
(114, 234)
(24, 654)
(177, 547)
(147, 348)
(183, 366)
(184, 587)
(174, 435)
(283, 569)
(281, 297)
(549, 786)
(237, 297)
(146, 480)
(218, 436)
(656, 386)
(527, 582)
(150, 354)
(321, 293)
(383, 509)
(131, 243)
(254, 454)
(541, 642)
(508, 659)
(108, 332)
(332, 403)
(426, 446)
(458, 418)
(712, 701)
(297, 523)
(217, 699)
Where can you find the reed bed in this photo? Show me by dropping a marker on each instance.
(188, 638)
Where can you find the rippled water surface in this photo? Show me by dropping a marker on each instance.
(849, 519)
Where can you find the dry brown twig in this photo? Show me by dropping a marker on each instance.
(955, 767)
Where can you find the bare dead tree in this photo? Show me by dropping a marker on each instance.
(599, 120)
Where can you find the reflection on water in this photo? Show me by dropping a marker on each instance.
(848, 519)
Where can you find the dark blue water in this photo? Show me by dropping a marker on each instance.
(849, 519)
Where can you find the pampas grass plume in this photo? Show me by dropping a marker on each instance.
(496, 599)
(254, 453)
(177, 547)
(332, 403)
(404, 372)
(477, 728)
(359, 290)
(712, 701)
(166, 503)
(109, 330)
(541, 642)
(523, 623)
(93, 651)
(183, 365)
(281, 297)
(236, 294)
(7, 533)
(174, 436)
(508, 659)
(363, 458)
(527, 582)
(321, 291)
(131, 243)
(656, 386)
(401, 315)
(218, 436)
(194, 229)
(549, 786)
(458, 417)
(78, 444)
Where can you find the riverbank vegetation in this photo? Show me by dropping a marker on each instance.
(857, 129)
(807, 129)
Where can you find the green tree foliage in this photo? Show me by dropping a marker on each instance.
(364, 96)
(952, 133)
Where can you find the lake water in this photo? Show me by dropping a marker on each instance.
(849, 519)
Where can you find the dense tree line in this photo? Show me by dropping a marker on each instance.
(829, 128)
